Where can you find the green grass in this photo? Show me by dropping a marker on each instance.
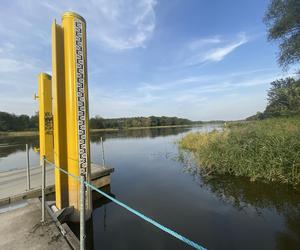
(267, 150)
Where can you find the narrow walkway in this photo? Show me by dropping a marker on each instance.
(13, 184)
(20, 228)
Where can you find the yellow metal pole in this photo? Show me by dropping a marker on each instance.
(45, 116)
(76, 87)
(59, 116)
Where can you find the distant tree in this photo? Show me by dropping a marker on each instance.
(12, 122)
(98, 122)
(34, 121)
(257, 116)
(22, 122)
(283, 22)
(284, 98)
(5, 121)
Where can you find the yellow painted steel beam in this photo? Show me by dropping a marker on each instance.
(59, 116)
(71, 114)
(77, 113)
(45, 116)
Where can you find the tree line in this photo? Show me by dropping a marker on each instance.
(151, 121)
(12, 122)
(283, 100)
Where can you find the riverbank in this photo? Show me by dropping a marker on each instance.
(135, 128)
(267, 150)
(18, 133)
(36, 133)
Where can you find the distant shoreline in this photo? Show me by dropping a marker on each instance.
(135, 128)
(18, 133)
(36, 133)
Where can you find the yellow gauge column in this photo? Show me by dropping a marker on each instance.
(45, 116)
(59, 117)
(77, 113)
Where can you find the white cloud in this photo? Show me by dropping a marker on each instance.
(25, 38)
(119, 24)
(211, 83)
(218, 54)
(146, 87)
(222, 96)
(197, 44)
(12, 65)
(212, 49)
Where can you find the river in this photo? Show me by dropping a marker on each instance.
(152, 176)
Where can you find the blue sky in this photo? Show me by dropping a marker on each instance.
(199, 59)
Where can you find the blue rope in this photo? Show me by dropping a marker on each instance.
(137, 213)
(144, 217)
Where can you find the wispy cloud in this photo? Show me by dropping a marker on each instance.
(25, 38)
(192, 94)
(12, 65)
(213, 49)
(218, 54)
(210, 83)
(125, 80)
(118, 24)
(199, 43)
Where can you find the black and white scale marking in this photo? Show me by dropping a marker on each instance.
(81, 103)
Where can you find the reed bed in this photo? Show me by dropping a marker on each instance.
(267, 150)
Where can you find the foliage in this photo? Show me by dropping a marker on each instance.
(283, 99)
(283, 21)
(12, 122)
(257, 116)
(99, 122)
(267, 150)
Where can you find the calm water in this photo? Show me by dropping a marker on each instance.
(151, 176)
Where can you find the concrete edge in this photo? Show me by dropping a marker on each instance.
(33, 193)
(64, 230)
(102, 173)
(37, 192)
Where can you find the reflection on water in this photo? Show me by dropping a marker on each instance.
(139, 133)
(244, 195)
(11, 145)
(13, 155)
(98, 202)
(13, 152)
(247, 196)
(154, 178)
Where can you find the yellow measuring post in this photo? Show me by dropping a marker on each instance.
(45, 116)
(59, 117)
(77, 113)
(71, 115)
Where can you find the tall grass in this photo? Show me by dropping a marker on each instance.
(267, 150)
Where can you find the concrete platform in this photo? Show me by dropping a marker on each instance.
(20, 228)
(13, 184)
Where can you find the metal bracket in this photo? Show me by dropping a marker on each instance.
(63, 214)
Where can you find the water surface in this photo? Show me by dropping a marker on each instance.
(152, 177)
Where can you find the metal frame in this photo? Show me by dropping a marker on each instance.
(28, 167)
(43, 165)
(70, 209)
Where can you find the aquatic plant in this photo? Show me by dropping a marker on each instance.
(267, 150)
